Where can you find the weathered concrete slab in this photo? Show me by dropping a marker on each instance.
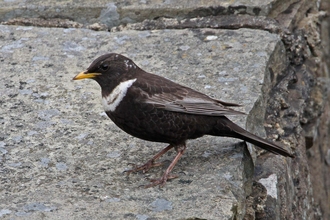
(113, 13)
(63, 158)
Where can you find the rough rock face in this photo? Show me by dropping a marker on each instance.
(61, 157)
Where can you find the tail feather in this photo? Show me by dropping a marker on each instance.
(227, 128)
(264, 144)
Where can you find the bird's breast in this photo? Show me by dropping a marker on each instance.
(110, 102)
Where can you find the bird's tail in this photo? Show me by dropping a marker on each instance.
(227, 128)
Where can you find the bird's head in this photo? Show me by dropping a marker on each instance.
(108, 68)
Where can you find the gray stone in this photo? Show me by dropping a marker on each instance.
(161, 205)
(118, 12)
(4, 212)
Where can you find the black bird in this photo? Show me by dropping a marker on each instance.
(156, 109)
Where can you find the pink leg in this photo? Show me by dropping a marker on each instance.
(161, 181)
(150, 163)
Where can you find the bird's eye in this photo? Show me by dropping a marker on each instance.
(104, 66)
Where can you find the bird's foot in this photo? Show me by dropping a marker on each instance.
(151, 163)
(166, 176)
(161, 181)
(145, 167)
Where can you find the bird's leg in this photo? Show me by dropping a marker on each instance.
(150, 163)
(161, 181)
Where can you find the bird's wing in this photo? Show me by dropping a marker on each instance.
(190, 105)
(170, 96)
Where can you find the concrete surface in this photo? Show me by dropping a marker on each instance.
(62, 158)
(113, 13)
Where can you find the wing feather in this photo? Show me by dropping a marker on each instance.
(170, 96)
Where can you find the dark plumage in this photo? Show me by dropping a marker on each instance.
(156, 109)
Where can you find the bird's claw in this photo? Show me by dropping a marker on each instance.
(145, 167)
(161, 181)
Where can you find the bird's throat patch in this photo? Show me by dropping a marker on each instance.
(111, 101)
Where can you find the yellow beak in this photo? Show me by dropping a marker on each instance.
(84, 75)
